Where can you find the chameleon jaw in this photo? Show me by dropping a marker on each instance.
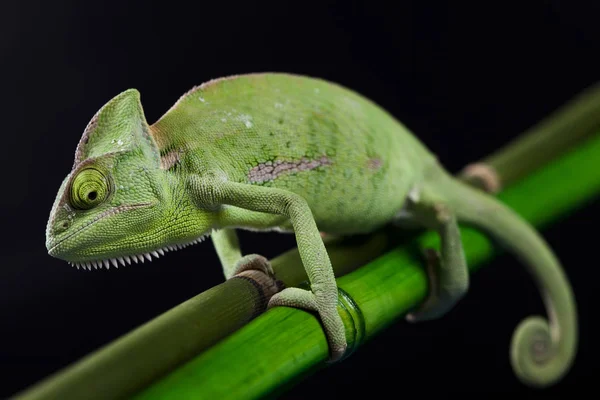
(53, 245)
(137, 258)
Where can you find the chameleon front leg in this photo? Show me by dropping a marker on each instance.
(447, 271)
(322, 298)
(228, 250)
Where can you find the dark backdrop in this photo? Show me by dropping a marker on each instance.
(465, 78)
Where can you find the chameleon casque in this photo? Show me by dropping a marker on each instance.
(292, 153)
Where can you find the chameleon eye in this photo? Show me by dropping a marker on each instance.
(89, 188)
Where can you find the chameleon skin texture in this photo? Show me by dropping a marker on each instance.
(275, 151)
(272, 129)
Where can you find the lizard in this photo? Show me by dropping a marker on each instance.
(292, 153)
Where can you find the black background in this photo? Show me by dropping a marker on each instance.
(465, 77)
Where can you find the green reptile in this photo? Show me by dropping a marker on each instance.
(291, 153)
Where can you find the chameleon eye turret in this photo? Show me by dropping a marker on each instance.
(89, 188)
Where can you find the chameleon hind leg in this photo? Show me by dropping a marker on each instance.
(447, 270)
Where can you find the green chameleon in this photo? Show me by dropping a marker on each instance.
(276, 151)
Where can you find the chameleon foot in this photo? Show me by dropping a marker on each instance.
(327, 310)
(433, 306)
(257, 269)
(447, 271)
(253, 262)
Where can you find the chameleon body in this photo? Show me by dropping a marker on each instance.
(276, 151)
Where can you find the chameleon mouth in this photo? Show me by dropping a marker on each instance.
(107, 213)
(137, 258)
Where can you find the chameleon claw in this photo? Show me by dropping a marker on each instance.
(432, 265)
(344, 324)
(254, 262)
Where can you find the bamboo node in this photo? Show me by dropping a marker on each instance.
(354, 322)
(265, 284)
(483, 176)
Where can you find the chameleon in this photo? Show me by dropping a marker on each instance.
(291, 153)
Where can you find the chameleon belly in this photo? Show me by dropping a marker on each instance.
(350, 159)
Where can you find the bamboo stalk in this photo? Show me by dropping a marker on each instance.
(136, 359)
(285, 343)
(143, 355)
(564, 128)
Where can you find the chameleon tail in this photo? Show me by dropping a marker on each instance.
(542, 351)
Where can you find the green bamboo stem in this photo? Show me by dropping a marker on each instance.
(136, 359)
(157, 347)
(284, 343)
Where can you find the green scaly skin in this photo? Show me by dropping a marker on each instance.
(297, 154)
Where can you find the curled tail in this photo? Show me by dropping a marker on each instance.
(542, 350)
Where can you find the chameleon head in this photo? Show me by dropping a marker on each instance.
(114, 205)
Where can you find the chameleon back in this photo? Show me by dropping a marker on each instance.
(348, 157)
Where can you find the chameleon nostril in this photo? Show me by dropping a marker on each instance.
(63, 226)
